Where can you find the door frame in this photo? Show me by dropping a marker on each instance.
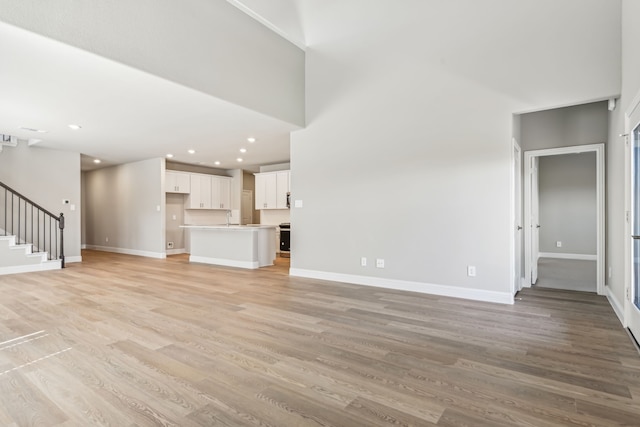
(516, 216)
(600, 207)
(629, 126)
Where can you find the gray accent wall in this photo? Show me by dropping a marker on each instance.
(407, 153)
(565, 127)
(47, 177)
(568, 203)
(125, 204)
(207, 45)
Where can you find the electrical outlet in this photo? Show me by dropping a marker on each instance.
(558, 244)
(363, 261)
(169, 245)
(379, 263)
(471, 270)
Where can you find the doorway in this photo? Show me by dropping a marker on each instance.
(550, 259)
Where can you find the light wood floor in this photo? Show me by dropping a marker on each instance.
(129, 341)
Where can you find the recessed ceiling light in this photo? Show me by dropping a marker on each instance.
(169, 156)
(75, 127)
(217, 163)
(252, 139)
(33, 130)
(243, 150)
(239, 159)
(96, 161)
(192, 151)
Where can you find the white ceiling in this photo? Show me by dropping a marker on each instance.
(126, 114)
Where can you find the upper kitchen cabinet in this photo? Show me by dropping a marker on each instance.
(177, 182)
(220, 192)
(272, 189)
(209, 192)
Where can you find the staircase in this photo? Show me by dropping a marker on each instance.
(15, 258)
(31, 237)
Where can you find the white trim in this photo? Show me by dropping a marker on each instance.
(224, 262)
(148, 254)
(581, 257)
(615, 304)
(83, 246)
(45, 266)
(270, 25)
(515, 222)
(600, 214)
(72, 259)
(176, 251)
(403, 285)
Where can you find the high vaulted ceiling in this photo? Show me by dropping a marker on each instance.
(126, 114)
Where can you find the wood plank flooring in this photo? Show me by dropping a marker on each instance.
(128, 341)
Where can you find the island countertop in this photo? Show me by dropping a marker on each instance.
(228, 227)
(244, 246)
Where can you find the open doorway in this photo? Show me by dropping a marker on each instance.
(564, 218)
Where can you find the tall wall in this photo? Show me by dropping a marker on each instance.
(47, 177)
(568, 203)
(406, 154)
(207, 45)
(125, 208)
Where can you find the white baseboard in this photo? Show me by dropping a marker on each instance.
(224, 262)
(45, 266)
(615, 304)
(581, 257)
(83, 246)
(159, 255)
(176, 251)
(402, 285)
(70, 259)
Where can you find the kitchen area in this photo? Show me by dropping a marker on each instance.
(228, 217)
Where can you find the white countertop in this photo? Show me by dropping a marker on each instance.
(228, 227)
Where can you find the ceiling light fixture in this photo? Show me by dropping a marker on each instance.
(192, 151)
(75, 127)
(169, 156)
(252, 139)
(97, 161)
(239, 159)
(243, 150)
(217, 163)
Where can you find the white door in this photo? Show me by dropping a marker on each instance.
(633, 311)
(517, 217)
(535, 221)
(246, 206)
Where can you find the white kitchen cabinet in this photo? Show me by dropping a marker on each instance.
(200, 196)
(209, 192)
(282, 188)
(272, 189)
(177, 182)
(220, 192)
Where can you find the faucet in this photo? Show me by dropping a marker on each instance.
(228, 217)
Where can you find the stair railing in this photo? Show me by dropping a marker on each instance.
(31, 224)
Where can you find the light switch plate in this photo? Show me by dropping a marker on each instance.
(298, 203)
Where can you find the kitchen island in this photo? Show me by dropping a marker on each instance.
(244, 246)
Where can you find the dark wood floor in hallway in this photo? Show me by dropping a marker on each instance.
(129, 341)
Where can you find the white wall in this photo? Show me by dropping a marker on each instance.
(568, 203)
(47, 177)
(125, 204)
(406, 155)
(207, 45)
(616, 235)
